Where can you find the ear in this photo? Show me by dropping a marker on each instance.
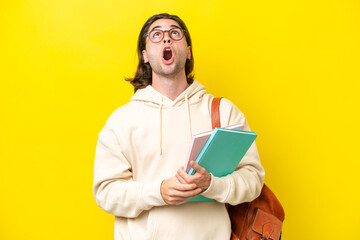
(146, 60)
(189, 53)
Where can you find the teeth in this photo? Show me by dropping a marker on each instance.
(168, 49)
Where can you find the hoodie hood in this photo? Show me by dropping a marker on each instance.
(153, 98)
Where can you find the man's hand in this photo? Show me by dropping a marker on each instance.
(201, 178)
(173, 192)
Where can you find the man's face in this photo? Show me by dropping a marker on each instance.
(167, 57)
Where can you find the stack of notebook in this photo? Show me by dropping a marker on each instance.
(219, 151)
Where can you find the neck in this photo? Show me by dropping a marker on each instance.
(170, 86)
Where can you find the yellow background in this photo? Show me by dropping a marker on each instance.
(291, 66)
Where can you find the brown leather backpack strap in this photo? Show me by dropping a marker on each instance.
(215, 113)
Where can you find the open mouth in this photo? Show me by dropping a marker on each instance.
(167, 53)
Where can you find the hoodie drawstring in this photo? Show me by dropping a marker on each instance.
(161, 106)
(188, 113)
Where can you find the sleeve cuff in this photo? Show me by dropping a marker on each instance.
(151, 195)
(218, 189)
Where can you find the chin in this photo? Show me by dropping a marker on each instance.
(170, 70)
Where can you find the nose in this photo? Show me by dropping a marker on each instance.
(167, 38)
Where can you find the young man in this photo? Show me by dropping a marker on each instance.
(139, 175)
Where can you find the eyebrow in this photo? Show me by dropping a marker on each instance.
(171, 26)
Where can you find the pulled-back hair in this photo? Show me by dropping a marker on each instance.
(143, 75)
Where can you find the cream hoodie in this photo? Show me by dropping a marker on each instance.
(145, 142)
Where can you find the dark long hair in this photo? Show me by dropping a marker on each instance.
(143, 75)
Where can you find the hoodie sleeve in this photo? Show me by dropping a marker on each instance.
(114, 188)
(245, 183)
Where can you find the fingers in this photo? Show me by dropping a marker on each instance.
(180, 203)
(174, 192)
(180, 179)
(184, 194)
(184, 186)
(183, 176)
(178, 189)
(201, 178)
(175, 197)
(197, 167)
(175, 183)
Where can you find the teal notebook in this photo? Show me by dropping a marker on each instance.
(223, 152)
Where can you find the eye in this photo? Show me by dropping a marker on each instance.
(175, 32)
(156, 34)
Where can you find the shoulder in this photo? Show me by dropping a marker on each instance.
(119, 123)
(122, 115)
(227, 105)
(229, 113)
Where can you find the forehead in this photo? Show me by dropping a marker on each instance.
(163, 24)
